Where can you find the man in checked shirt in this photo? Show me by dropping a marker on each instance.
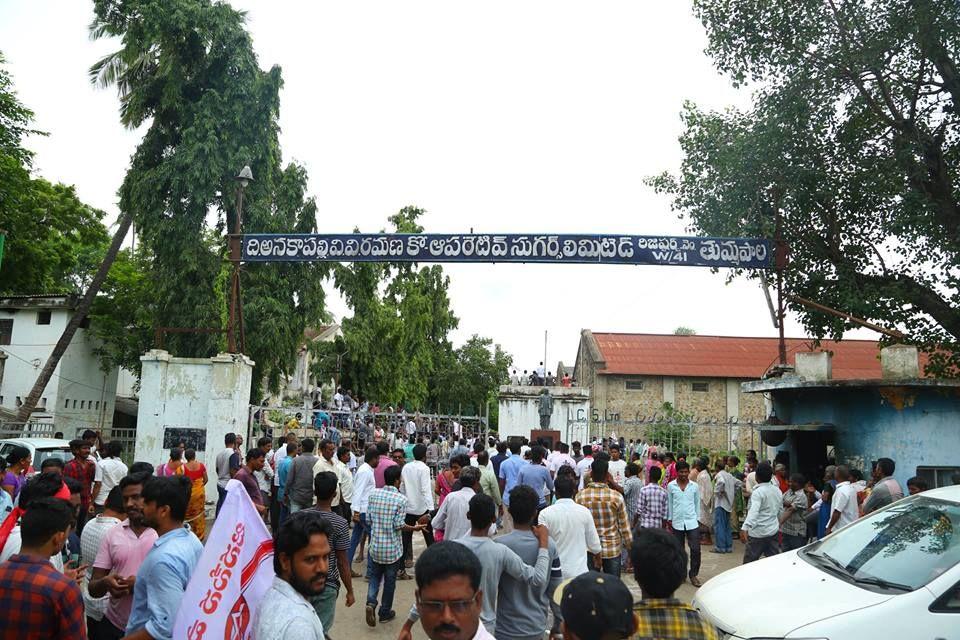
(36, 600)
(609, 514)
(652, 505)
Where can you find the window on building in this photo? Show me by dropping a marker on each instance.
(74, 405)
(66, 403)
(6, 331)
(634, 385)
(82, 404)
(43, 404)
(701, 386)
(938, 476)
(43, 317)
(19, 401)
(98, 405)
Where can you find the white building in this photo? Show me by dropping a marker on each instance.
(80, 395)
(302, 388)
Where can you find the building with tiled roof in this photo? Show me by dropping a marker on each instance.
(631, 375)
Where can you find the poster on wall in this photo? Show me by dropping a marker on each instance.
(190, 437)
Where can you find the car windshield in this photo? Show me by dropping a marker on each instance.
(902, 547)
(43, 454)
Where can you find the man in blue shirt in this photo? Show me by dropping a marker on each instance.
(683, 505)
(536, 476)
(509, 470)
(165, 572)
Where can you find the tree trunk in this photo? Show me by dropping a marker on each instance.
(78, 315)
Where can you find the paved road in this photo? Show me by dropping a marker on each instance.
(349, 622)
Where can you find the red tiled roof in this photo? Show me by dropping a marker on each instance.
(725, 357)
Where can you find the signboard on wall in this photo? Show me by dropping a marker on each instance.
(191, 437)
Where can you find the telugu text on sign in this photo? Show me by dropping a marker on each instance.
(745, 253)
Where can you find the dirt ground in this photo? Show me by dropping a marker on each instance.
(349, 622)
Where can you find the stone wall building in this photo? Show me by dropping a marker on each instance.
(631, 375)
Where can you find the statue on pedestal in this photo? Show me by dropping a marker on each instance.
(546, 408)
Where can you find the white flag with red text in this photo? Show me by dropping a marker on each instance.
(234, 571)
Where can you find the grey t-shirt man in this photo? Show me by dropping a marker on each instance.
(522, 607)
(227, 460)
(300, 481)
(498, 560)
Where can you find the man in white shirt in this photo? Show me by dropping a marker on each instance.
(418, 489)
(411, 428)
(329, 462)
(617, 465)
(452, 517)
(265, 475)
(843, 505)
(561, 458)
(572, 528)
(111, 514)
(364, 482)
(338, 399)
(583, 467)
(761, 527)
(110, 470)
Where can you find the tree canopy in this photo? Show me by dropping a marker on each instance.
(187, 68)
(854, 138)
(53, 240)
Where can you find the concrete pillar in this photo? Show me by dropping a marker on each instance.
(900, 362)
(733, 413)
(209, 394)
(814, 366)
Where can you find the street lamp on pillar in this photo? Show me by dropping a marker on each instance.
(235, 322)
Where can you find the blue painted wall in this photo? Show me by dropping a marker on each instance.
(924, 432)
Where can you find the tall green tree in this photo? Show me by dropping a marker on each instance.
(187, 69)
(481, 367)
(854, 140)
(398, 334)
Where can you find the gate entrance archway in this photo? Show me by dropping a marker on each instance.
(740, 253)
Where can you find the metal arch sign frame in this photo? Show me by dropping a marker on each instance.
(742, 253)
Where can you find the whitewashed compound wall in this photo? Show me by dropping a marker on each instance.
(519, 411)
(202, 393)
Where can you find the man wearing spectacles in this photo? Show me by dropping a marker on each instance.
(496, 561)
(448, 594)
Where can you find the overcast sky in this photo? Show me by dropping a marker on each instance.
(507, 117)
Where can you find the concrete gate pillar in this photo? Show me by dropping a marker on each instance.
(199, 400)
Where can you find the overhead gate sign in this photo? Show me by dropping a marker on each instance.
(745, 253)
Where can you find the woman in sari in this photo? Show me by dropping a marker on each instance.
(196, 508)
(446, 480)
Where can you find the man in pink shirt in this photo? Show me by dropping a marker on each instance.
(382, 465)
(121, 553)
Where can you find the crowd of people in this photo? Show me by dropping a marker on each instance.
(540, 377)
(521, 538)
